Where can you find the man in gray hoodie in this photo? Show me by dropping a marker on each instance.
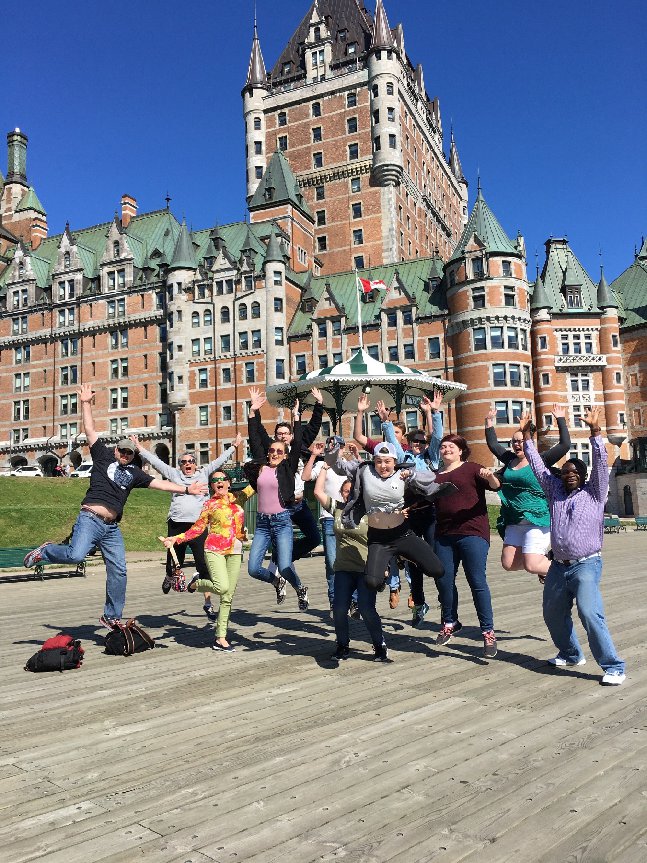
(185, 509)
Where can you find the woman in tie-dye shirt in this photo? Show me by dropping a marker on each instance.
(224, 518)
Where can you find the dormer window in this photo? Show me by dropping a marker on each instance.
(66, 261)
(287, 68)
(115, 249)
(342, 35)
(477, 268)
(317, 34)
(351, 49)
(21, 270)
(574, 298)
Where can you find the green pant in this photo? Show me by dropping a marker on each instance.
(224, 570)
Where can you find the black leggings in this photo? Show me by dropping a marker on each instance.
(401, 540)
(196, 545)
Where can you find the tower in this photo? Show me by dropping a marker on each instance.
(20, 210)
(180, 273)
(255, 88)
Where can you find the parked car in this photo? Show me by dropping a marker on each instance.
(83, 470)
(27, 470)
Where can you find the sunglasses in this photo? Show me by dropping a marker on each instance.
(216, 479)
(275, 451)
(125, 451)
(187, 461)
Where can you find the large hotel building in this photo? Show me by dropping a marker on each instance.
(348, 169)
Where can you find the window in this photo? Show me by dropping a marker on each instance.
(574, 298)
(502, 415)
(282, 118)
(278, 304)
(389, 89)
(358, 262)
(316, 109)
(615, 341)
(509, 296)
(224, 315)
(376, 143)
(542, 343)
(195, 316)
(256, 310)
(580, 382)
(22, 354)
(336, 358)
(249, 373)
(321, 217)
(203, 415)
(515, 374)
(477, 268)
(258, 148)
(409, 352)
(480, 338)
(195, 347)
(277, 278)
(256, 339)
(68, 404)
(545, 379)
(353, 152)
(322, 244)
(21, 412)
(524, 340)
(355, 184)
(496, 338)
(392, 319)
(207, 318)
(512, 335)
(506, 270)
(320, 193)
(257, 124)
(478, 298)
(258, 172)
(280, 370)
(300, 366)
(66, 261)
(374, 351)
(618, 377)
(499, 377)
(376, 426)
(317, 160)
(278, 335)
(225, 344)
(392, 142)
(316, 135)
(351, 48)
(70, 347)
(390, 115)
(226, 413)
(282, 142)
(286, 68)
(243, 341)
(242, 312)
(203, 379)
(351, 125)
(356, 209)
(358, 237)
(351, 100)
(393, 353)
(226, 375)
(581, 450)
(323, 361)
(321, 329)
(376, 116)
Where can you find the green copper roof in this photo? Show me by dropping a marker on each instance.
(278, 186)
(184, 257)
(274, 253)
(29, 201)
(414, 276)
(605, 299)
(539, 296)
(562, 270)
(631, 286)
(485, 225)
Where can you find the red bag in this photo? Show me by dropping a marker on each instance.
(58, 642)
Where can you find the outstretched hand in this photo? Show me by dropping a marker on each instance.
(382, 411)
(135, 440)
(525, 422)
(592, 418)
(198, 488)
(363, 403)
(258, 399)
(317, 447)
(559, 411)
(317, 395)
(490, 418)
(238, 440)
(86, 393)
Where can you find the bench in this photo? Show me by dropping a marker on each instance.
(641, 522)
(12, 558)
(612, 524)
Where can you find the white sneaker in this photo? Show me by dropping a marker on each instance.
(613, 678)
(558, 661)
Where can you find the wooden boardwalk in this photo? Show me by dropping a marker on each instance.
(183, 755)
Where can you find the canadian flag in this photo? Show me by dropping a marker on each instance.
(366, 285)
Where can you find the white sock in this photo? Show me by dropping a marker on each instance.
(272, 568)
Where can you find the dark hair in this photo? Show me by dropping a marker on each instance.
(286, 448)
(281, 425)
(579, 466)
(417, 434)
(398, 424)
(460, 442)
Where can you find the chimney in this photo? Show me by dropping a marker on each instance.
(128, 209)
(16, 157)
(38, 231)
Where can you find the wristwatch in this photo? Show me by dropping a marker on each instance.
(186, 489)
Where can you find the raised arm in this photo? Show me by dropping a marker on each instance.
(294, 456)
(434, 421)
(552, 456)
(389, 437)
(547, 481)
(598, 483)
(217, 463)
(85, 397)
(316, 451)
(263, 440)
(311, 430)
(501, 452)
(197, 488)
(342, 466)
(363, 405)
(166, 470)
(319, 493)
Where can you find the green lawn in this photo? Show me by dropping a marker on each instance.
(33, 510)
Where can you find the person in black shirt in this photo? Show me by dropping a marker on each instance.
(112, 478)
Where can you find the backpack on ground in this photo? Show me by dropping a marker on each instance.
(59, 653)
(124, 639)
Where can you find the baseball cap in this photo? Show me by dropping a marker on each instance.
(384, 449)
(124, 443)
(333, 442)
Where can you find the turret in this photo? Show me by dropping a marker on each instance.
(614, 398)
(457, 171)
(383, 79)
(181, 272)
(255, 89)
(275, 346)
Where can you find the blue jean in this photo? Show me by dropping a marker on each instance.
(345, 584)
(472, 552)
(274, 530)
(88, 532)
(330, 552)
(303, 518)
(579, 582)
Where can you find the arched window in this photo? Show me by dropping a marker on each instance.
(195, 319)
(224, 315)
(115, 249)
(256, 310)
(242, 312)
(66, 260)
(21, 270)
(208, 317)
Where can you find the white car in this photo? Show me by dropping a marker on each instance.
(83, 470)
(27, 470)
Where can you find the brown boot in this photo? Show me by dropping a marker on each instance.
(410, 601)
(394, 598)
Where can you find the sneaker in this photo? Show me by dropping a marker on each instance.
(341, 653)
(394, 598)
(109, 622)
(353, 611)
(279, 584)
(380, 653)
(35, 556)
(221, 649)
(302, 595)
(167, 584)
(559, 662)
(447, 630)
(419, 612)
(489, 644)
(613, 678)
(210, 611)
(410, 602)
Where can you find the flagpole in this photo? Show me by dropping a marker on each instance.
(359, 312)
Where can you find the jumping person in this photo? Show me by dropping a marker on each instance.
(576, 532)
(223, 520)
(112, 478)
(524, 519)
(184, 511)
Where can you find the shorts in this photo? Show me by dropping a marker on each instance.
(530, 538)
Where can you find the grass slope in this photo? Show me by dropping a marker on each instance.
(33, 510)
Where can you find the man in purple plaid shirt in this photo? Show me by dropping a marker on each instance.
(576, 531)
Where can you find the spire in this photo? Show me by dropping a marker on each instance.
(606, 300)
(483, 224)
(382, 37)
(17, 157)
(183, 253)
(273, 253)
(256, 74)
(539, 298)
(454, 160)
(29, 201)
(279, 185)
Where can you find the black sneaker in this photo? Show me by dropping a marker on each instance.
(419, 612)
(302, 595)
(109, 622)
(489, 644)
(279, 585)
(380, 654)
(341, 653)
(167, 584)
(447, 631)
(353, 611)
(210, 611)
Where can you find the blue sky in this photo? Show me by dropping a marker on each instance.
(546, 99)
